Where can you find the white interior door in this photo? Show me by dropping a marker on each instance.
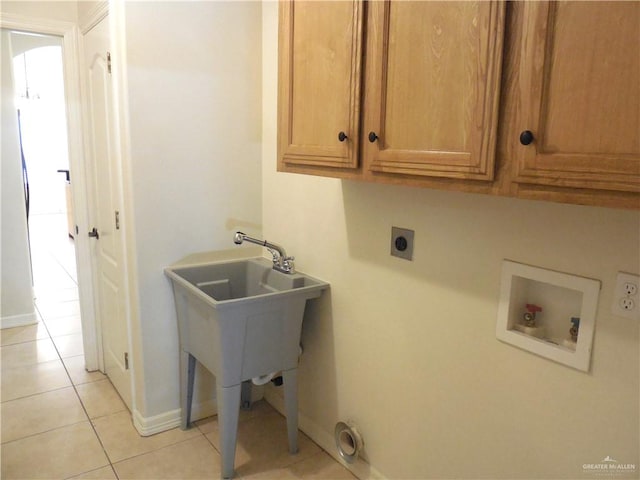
(107, 237)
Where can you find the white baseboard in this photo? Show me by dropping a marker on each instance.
(18, 320)
(147, 426)
(325, 440)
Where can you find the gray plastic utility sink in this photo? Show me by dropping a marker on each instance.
(225, 282)
(240, 319)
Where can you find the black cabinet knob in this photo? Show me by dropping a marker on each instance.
(342, 136)
(526, 137)
(372, 137)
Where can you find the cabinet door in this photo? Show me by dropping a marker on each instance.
(319, 83)
(580, 96)
(432, 88)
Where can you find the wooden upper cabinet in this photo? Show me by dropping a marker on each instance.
(579, 96)
(432, 86)
(409, 92)
(319, 83)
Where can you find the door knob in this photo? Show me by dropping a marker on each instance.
(526, 137)
(342, 136)
(94, 233)
(372, 137)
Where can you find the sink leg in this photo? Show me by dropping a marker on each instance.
(245, 395)
(187, 375)
(290, 378)
(228, 412)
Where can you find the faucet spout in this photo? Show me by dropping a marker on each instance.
(281, 261)
(238, 238)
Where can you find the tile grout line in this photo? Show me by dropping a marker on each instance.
(73, 385)
(53, 255)
(43, 432)
(141, 454)
(36, 394)
(84, 408)
(207, 439)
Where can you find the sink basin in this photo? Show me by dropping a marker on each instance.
(224, 282)
(240, 319)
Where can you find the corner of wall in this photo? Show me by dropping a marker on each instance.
(147, 426)
(360, 468)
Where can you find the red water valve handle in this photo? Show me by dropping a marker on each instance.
(533, 308)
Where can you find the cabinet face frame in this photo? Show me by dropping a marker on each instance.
(342, 154)
(536, 163)
(475, 164)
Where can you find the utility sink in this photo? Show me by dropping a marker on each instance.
(240, 319)
(225, 282)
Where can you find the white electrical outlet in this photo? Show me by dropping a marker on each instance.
(626, 301)
(630, 288)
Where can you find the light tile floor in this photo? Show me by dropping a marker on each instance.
(59, 421)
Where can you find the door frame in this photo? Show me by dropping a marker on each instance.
(98, 13)
(117, 48)
(70, 34)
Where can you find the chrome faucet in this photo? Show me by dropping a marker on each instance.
(281, 262)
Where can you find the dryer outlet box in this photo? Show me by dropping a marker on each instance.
(402, 243)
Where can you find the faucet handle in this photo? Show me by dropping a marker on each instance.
(282, 263)
(288, 265)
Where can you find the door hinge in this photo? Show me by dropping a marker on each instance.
(126, 360)
(109, 62)
(117, 220)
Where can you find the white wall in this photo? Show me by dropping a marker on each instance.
(193, 73)
(17, 296)
(16, 306)
(51, 10)
(86, 8)
(408, 351)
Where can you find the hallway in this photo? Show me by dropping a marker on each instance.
(59, 421)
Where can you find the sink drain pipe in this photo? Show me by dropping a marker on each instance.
(275, 377)
(348, 441)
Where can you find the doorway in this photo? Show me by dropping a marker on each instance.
(67, 32)
(40, 101)
(85, 180)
